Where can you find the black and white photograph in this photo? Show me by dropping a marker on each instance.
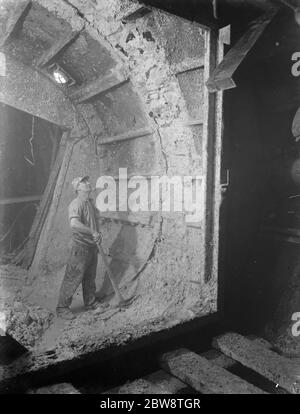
(149, 200)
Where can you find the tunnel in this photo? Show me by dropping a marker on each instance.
(122, 92)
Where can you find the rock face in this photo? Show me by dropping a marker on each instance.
(25, 322)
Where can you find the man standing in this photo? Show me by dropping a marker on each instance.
(82, 262)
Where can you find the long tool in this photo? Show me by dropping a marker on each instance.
(120, 301)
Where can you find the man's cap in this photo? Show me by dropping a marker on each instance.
(78, 180)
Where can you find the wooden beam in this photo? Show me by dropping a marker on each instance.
(133, 12)
(203, 18)
(61, 388)
(57, 48)
(15, 200)
(30, 91)
(63, 159)
(188, 65)
(276, 368)
(139, 386)
(216, 357)
(139, 133)
(98, 86)
(211, 161)
(26, 256)
(17, 11)
(204, 376)
(194, 122)
(221, 78)
(166, 382)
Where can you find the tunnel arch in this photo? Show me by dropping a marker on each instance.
(138, 102)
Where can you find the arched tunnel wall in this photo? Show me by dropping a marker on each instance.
(164, 97)
(160, 103)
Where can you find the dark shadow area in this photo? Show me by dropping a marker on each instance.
(27, 151)
(260, 209)
(9, 349)
(127, 364)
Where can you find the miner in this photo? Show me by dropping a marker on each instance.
(82, 262)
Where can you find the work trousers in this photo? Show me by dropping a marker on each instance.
(81, 269)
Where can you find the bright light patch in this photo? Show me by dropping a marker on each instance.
(60, 77)
(2, 324)
(2, 64)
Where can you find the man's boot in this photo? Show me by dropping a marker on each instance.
(96, 305)
(65, 313)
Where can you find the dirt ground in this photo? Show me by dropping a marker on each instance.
(28, 307)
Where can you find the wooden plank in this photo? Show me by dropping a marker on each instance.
(139, 386)
(203, 19)
(26, 256)
(211, 160)
(218, 358)
(124, 221)
(43, 242)
(188, 65)
(16, 200)
(138, 133)
(57, 48)
(17, 11)
(62, 388)
(267, 363)
(194, 122)
(31, 91)
(164, 380)
(98, 86)
(160, 382)
(225, 36)
(133, 12)
(204, 376)
(221, 78)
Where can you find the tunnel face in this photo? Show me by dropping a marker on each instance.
(128, 95)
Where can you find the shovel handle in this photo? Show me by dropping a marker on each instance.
(110, 275)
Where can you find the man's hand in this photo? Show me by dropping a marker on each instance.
(97, 237)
